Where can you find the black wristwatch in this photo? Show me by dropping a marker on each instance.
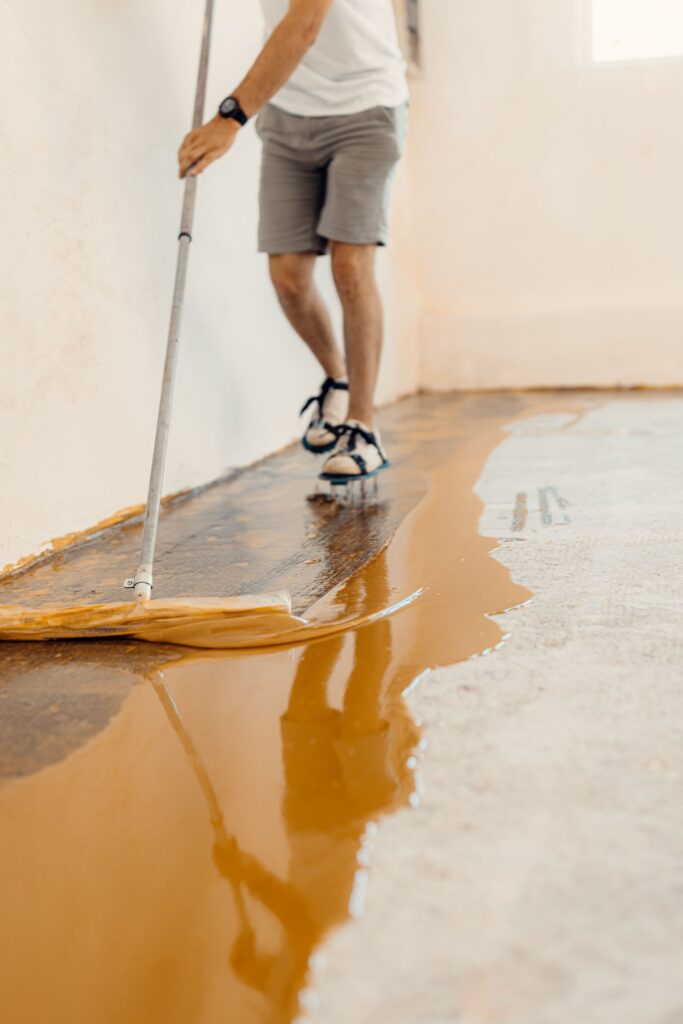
(230, 107)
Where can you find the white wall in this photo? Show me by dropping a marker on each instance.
(547, 203)
(536, 240)
(97, 98)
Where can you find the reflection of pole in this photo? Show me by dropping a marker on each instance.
(222, 839)
(238, 867)
(173, 714)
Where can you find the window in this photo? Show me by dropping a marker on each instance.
(636, 29)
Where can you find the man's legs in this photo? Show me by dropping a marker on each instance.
(353, 269)
(322, 187)
(303, 305)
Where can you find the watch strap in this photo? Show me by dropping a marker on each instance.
(235, 112)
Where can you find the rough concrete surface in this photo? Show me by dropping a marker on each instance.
(541, 880)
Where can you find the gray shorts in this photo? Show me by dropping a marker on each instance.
(327, 178)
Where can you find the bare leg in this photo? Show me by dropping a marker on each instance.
(302, 304)
(353, 269)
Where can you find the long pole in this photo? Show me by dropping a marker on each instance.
(142, 581)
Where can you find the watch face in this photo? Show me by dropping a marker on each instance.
(227, 107)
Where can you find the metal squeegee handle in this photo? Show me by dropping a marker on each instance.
(142, 581)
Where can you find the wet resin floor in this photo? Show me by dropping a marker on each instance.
(180, 829)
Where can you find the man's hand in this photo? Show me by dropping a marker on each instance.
(206, 144)
(281, 55)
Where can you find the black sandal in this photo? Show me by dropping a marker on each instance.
(369, 461)
(320, 435)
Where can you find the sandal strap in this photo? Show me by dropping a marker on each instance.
(354, 432)
(360, 461)
(329, 384)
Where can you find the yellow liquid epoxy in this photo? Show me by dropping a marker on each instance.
(186, 863)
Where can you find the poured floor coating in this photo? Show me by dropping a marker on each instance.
(181, 828)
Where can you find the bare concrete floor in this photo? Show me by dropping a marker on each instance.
(541, 880)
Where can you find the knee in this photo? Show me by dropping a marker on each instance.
(290, 284)
(351, 270)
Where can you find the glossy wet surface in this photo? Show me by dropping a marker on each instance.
(181, 828)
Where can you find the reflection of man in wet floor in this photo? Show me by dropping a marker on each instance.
(342, 768)
(330, 90)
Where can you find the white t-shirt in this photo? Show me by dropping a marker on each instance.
(354, 64)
